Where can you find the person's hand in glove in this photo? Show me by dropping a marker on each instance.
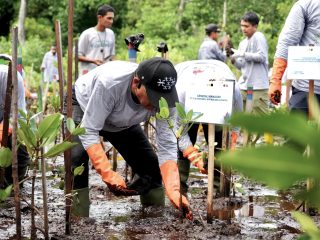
(234, 137)
(113, 180)
(171, 180)
(195, 157)
(279, 66)
(1, 132)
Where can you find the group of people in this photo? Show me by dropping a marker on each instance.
(111, 100)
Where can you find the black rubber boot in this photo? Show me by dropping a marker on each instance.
(155, 197)
(184, 168)
(80, 202)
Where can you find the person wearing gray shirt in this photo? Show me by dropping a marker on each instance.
(209, 48)
(22, 154)
(115, 98)
(302, 28)
(251, 58)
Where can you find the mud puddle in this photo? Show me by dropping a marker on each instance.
(255, 212)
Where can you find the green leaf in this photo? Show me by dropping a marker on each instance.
(5, 193)
(181, 111)
(59, 148)
(22, 114)
(29, 136)
(196, 117)
(189, 115)
(163, 103)
(307, 224)
(70, 125)
(312, 196)
(48, 127)
(78, 131)
(277, 166)
(78, 170)
(5, 157)
(24, 140)
(295, 127)
(164, 113)
(179, 131)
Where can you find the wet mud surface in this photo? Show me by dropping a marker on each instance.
(255, 212)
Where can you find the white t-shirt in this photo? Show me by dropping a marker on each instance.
(96, 45)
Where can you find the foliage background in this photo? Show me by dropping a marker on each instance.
(180, 23)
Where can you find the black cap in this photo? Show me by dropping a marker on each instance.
(212, 28)
(159, 77)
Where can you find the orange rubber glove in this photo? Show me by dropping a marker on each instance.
(195, 157)
(171, 181)
(114, 181)
(279, 66)
(234, 137)
(1, 132)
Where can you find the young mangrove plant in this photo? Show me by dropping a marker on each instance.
(38, 135)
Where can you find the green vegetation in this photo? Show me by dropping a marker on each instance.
(179, 23)
(282, 166)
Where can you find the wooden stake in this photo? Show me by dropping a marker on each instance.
(210, 172)
(225, 174)
(14, 131)
(76, 59)
(248, 109)
(60, 67)
(67, 154)
(288, 89)
(310, 182)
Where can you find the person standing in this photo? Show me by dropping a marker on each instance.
(251, 58)
(302, 28)
(49, 65)
(209, 48)
(97, 44)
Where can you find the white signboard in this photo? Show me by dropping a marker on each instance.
(211, 97)
(304, 62)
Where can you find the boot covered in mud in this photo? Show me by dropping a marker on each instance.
(184, 168)
(80, 202)
(171, 180)
(150, 193)
(155, 197)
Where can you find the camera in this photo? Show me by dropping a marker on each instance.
(162, 47)
(135, 40)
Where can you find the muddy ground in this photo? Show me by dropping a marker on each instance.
(254, 212)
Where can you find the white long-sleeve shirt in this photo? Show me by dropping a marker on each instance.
(104, 94)
(254, 64)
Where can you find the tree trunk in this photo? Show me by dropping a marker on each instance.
(182, 5)
(21, 21)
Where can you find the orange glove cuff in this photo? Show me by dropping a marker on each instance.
(279, 66)
(103, 167)
(188, 151)
(1, 131)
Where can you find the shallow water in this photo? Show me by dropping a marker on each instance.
(256, 213)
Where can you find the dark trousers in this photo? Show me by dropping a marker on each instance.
(134, 147)
(299, 101)
(184, 164)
